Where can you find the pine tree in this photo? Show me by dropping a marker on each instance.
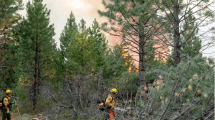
(88, 48)
(66, 39)
(100, 45)
(8, 18)
(133, 22)
(81, 47)
(181, 20)
(36, 44)
(68, 33)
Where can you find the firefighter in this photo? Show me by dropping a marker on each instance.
(110, 104)
(7, 104)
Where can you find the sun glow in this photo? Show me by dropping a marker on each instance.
(77, 4)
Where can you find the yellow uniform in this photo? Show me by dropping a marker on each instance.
(110, 101)
(111, 104)
(6, 102)
(6, 108)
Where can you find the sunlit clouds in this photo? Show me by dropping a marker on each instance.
(77, 4)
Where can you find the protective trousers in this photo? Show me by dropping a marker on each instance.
(6, 115)
(109, 114)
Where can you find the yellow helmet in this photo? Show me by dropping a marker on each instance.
(8, 91)
(114, 90)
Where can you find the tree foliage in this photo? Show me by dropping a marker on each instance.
(8, 18)
(114, 63)
(134, 22)
(186, 92)
(182, 20)
(36, 46)
(82, 48)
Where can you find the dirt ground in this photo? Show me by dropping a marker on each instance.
(13, 117)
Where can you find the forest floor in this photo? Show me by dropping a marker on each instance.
(13, 117)
(24, 117)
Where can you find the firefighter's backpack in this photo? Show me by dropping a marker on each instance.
(1, 103)
(101, 105)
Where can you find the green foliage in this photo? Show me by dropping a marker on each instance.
(8, 11)
(82, 50)
(184, 86)
(127, 81)
(35, 34)
(61, 61)
(154, 72)
(59, 66)
(68, 34)
(100, 45)
(134, 22)
(128, 14)
(8, 19)
(182, 22)
(21, 92)
(114, 64)
(192, 43)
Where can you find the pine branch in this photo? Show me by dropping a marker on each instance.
(180, 19)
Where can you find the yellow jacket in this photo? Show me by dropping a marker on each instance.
(6, 102)
(110, 101)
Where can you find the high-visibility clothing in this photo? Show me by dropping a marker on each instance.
(6, 101)
(110, 101)
(110, 104)
(6, 112)
(111, 114)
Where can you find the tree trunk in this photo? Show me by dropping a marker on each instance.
(177, 54)
(36, 75)
(99, 88)
(142, 69)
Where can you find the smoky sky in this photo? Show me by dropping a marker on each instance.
(82, 9)
(61, 9)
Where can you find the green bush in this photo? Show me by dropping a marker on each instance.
(127, 81)
(21, 93)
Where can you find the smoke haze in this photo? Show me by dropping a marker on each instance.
(61, 9)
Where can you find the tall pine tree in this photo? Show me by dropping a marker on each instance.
(36, 44)
(132, 21)
(67, 36)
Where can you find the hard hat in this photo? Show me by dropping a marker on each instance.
(114, 90)
(8, 91)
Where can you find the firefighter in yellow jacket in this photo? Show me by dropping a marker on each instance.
(7, 106)
(111, 104)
